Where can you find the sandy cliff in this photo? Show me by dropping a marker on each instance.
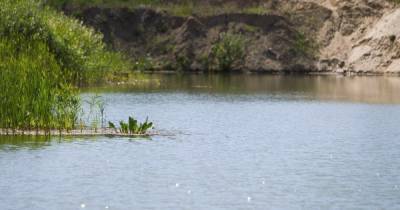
(365, 37)
(359, 36)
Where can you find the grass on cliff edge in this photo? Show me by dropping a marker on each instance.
(44, 57)
(178, 8)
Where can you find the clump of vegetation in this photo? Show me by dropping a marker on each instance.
(96, 118)
(304, 46)
(44, 57)
(79, 50)
(34, 92)
(227, 52)
(133, 126)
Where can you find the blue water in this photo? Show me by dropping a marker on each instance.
(218, 150)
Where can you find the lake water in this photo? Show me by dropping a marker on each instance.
(229, 142)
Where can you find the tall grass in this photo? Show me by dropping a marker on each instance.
(44, 57)
(34, 92)
(79, 50)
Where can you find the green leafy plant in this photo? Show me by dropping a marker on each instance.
(133, 126)
(111, 125)
(124, 127)
(145, 126)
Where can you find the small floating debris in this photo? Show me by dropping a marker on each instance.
(177, 185)
(83, 206)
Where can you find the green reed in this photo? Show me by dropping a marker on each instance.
(78, 50)
(34, 92)
(44, 57)
(96, 112)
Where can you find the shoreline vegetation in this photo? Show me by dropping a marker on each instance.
(88, 132)
(45, 58)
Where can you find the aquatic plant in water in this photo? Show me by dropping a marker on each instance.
(112, 126)
(133, 126)
(96, 113)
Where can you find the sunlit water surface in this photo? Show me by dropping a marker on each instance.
(229, 142)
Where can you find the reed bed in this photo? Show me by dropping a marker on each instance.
(34, 92)
(44, 58)
(76, 133)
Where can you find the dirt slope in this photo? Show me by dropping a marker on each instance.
(366, 40)
(291, 35)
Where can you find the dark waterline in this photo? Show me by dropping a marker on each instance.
(239, 142)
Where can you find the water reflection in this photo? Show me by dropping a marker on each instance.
(364, 89)
(233, 150)
(10, 143)
(14, 143)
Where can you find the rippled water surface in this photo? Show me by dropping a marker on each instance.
(230, 142)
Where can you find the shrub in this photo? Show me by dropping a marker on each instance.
(78, 50)
(228, 51)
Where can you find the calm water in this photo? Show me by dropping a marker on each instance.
(234, 142)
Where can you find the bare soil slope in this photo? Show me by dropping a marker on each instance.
(288, 35)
